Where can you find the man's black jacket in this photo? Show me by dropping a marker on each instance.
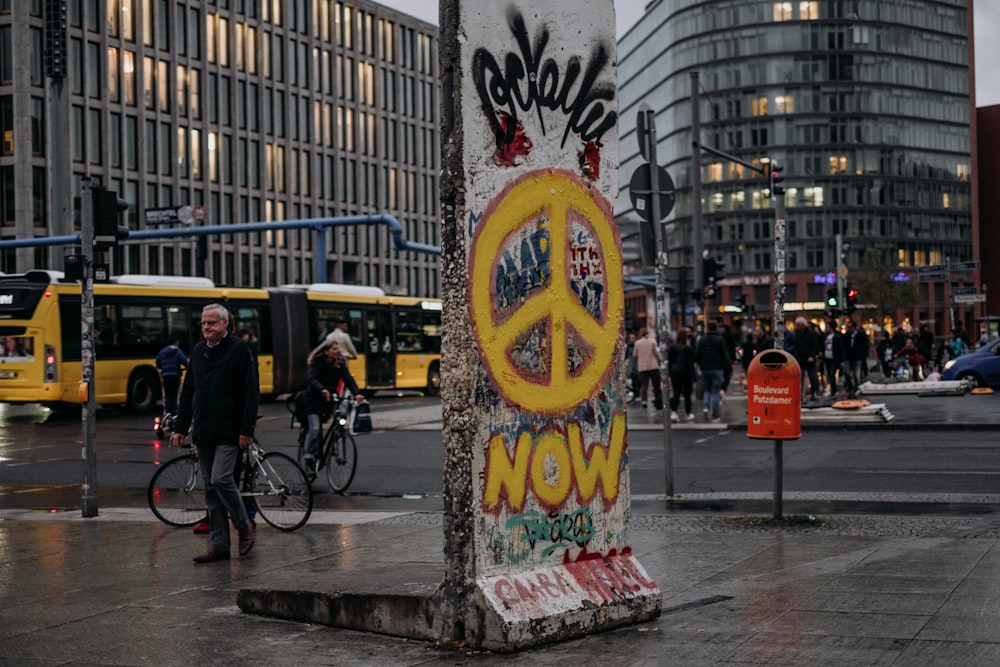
(221, 393)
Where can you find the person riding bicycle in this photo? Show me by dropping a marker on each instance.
(327, 373)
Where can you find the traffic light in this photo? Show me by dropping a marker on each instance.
(832, 303)
(776, 179)
(741, 300)
(108, 226)
(852, 301)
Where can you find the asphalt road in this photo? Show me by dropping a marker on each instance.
(928, 460)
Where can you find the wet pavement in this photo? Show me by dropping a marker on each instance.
(853, 588)
(122, 590)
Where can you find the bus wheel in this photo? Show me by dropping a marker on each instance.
(143, 390)
(433, 387)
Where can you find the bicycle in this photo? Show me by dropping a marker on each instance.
(164, 426)
(338, 450)
(275, 482)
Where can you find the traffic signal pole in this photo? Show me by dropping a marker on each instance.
(839, 254)
(662, 299)
(88, 417)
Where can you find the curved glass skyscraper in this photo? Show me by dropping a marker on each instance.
(866, 105)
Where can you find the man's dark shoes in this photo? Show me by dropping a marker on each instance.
(246, 540)
(213, 555)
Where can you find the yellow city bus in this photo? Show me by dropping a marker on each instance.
(40, 323)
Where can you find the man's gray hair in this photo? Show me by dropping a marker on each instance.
(221, 311)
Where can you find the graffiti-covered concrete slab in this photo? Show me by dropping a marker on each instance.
(538, 501)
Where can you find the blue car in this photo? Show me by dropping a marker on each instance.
(981, 366)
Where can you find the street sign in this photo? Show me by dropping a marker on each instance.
(964, 290)
(172, 215)
(961, 267)
(932, 277)
(969, 298)
(640, 191)
(932, 268)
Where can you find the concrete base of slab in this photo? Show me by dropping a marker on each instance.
(512, 612)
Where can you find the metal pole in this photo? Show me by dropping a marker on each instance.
(779, 326)
(778, 479)
(951, 295)
(839, 254)
(88, 417)
(662, 300)
(697, 242)
(779, 272)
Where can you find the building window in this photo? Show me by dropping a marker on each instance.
(213, 157)
(128, 78)
(128, 20)
(163, 85)
(166, 152)
(194, 85)
(782, 11)
(163, 25)
(38, 195)
(148, 83)
(115, 139)
(784, 104)
(195, 154)
(182, 163)
(131, 143)
(37, 126)
(7, 123)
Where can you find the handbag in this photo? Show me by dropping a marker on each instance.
(362, 418)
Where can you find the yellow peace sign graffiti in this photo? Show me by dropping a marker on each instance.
(552, 345)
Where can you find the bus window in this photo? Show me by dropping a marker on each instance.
(16, 347)
(256, 322)
(431, 331)
(141, 331)
(105, 324)
(179, 324)
(408, 336)
(326, 319)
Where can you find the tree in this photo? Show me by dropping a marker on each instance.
(875, 284)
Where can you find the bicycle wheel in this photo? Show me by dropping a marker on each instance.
(282, 492)
(342, 460)
(176, 494)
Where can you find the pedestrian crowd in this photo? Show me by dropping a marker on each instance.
(835, 360)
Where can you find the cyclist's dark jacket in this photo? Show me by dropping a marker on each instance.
(221, 393)
(324, 375)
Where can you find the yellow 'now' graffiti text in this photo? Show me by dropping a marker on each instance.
(508, 479)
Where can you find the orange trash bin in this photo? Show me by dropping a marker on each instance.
(774, 396)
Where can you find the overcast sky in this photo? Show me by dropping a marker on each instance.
(628, 12)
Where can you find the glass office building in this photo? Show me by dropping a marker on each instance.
(252, 110)
(866, 104)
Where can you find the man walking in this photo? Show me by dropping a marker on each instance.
(220, 396)
(712, 358)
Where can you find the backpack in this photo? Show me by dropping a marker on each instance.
(362, 418)
(298, 405)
